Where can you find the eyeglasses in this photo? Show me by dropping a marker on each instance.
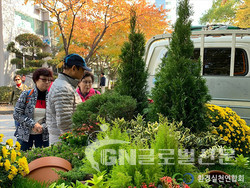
(17, 79)
(46, 80)
(87, 82)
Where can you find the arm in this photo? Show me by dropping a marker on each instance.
(11, 97)
(19, 110)
(64, 107)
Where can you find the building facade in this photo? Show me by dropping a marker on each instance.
(17, 18)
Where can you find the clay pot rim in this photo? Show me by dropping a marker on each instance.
(50, 161)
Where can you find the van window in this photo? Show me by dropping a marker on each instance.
(217, 61)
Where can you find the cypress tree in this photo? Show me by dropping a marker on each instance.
(180, 93)
(132, 74)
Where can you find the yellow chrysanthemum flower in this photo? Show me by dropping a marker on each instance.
(1, 137)
(7, 165)
(18, 146)
(11, 176)
(225, 138)
(243, 139)
(221, 128)
(13, 155)
(14, 170)
(9, 142)
(5, 152)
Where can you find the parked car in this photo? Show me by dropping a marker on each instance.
(225, 57)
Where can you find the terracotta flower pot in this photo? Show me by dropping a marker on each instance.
(217, 174)
(41, 169)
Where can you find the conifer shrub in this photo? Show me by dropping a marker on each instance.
(109, 106)
(132, 73)
(180, 93)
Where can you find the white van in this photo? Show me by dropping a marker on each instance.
(225, 55)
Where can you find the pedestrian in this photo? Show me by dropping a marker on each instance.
(30, 112)
(17, 89)
(102, 83)
(23, 78)
(85, 89)
(63, 98)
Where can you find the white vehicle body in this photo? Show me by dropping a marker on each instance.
(225, 57)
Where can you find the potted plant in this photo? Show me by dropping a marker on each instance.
(44, 169)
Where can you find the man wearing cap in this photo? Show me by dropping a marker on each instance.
(63, 98)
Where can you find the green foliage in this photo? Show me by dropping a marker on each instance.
(31, 43)
(72, 154)
(11, 48)
(74, 138)
(180, 93)
(221, 7)
(133, 75)
(17, 61)
(24, 182)
(242, 161)
(26, 71)
(34, 63)
(127, 173)
(109, 106)
(43, 55)
(5, 92)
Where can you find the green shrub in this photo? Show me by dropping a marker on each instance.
(109, 106)
(180, 92)
(5, 92)
(136, 174)
(27, 70)
(132, 77)
(43, 55)
(34, 63)
(16, 61)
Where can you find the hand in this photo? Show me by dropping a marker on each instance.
(38, 128)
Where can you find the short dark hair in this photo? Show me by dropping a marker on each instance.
(65, 67)
(102, 73)
(88, 74)
(16, 77)
(41, 72)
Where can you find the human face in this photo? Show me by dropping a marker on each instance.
(85, 85)
(18, 80)
(78, 73)
(43, 83)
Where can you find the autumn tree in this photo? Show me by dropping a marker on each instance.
(242, 18)
(222, 11)
(65, 12)
(180, 93)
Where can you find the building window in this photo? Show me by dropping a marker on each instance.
(217, 61)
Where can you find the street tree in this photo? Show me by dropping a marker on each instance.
(222, 11)
(180, 92)
(65, 13)
(242, 18)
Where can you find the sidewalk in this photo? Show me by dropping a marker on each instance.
(6, 109)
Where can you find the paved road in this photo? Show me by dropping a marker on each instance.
(7, 127)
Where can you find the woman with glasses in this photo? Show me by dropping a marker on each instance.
(85, 89)
(17, 89)
(30, 112)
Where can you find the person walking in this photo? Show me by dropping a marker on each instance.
(85, 89)
(30, 112)
(102, 83)
(17, 89)
(63, 98)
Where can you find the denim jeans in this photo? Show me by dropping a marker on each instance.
(33, 140)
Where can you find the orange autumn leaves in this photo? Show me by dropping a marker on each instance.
(101, 26)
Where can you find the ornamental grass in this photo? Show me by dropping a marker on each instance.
(229, 126)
